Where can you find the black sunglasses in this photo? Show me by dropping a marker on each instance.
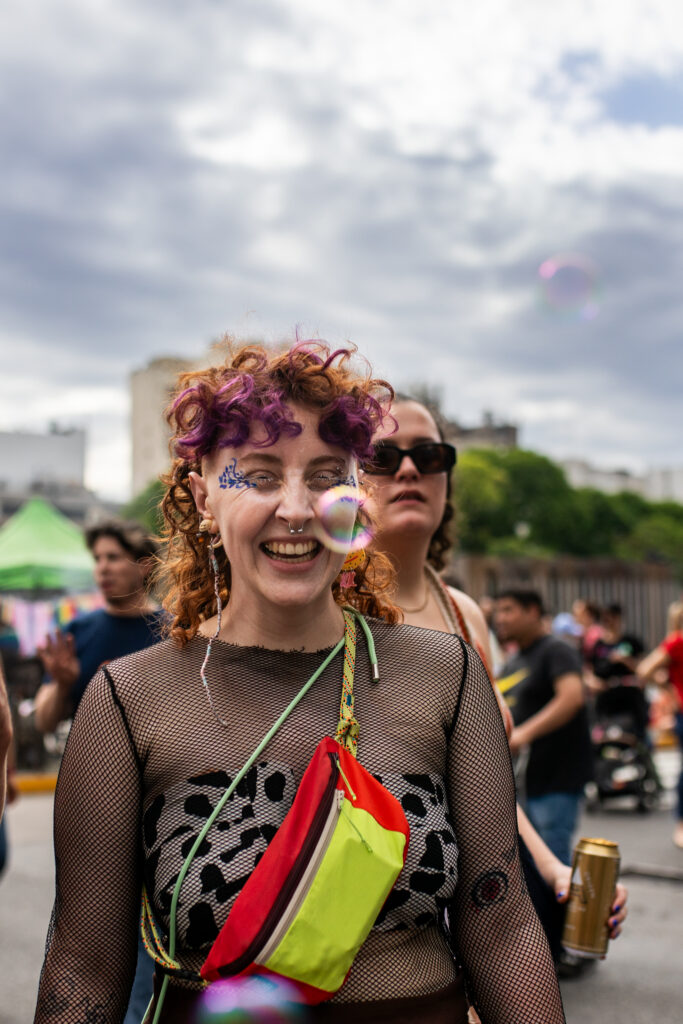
(431, 457)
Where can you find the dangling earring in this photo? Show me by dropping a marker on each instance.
(215, 569)
(353, 561)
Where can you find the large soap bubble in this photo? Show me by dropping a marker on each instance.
(569, 285)
(340, 523)
(254, 999)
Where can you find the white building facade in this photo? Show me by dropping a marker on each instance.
(27, 459)
(663, 484)
(151, 389)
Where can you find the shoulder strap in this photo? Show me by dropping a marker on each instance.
(348, 728)
(465, 631)
(462, 623)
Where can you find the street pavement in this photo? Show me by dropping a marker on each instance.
(640, 981)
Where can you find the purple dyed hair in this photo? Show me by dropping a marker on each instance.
(217, 407)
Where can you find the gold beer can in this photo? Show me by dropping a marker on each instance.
(595, 869)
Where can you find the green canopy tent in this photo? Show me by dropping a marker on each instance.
(40, 549)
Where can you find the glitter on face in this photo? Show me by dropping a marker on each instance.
(337, 524)
(569, 286)
(232, 477)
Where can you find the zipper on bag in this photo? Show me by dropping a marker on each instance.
(323, 817)
(301, 891)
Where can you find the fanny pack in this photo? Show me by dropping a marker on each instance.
(315, 894)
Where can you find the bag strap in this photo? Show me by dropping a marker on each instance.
(456, 619)
(347, 727)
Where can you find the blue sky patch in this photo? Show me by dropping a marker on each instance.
(646, 99)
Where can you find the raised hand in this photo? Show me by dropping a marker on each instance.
(58, 656)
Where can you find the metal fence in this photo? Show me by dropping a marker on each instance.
(644, 590)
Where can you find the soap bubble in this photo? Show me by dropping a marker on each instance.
(569, 285)
(340, 524)
(254, 999)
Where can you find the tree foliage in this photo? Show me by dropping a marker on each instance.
(520, 502)
(145, 507)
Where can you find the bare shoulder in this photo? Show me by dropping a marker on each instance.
(471, 611)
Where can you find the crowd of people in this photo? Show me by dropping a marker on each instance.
(453, 707)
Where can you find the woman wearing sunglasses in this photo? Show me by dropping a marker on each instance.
(410, 474)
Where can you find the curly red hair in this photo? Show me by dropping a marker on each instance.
(216, 407)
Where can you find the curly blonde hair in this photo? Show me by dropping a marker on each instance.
(217, 407)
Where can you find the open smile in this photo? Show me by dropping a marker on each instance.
(291, 551)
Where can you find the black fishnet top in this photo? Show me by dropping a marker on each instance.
(147, 760)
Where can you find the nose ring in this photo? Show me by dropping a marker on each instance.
(292, 530)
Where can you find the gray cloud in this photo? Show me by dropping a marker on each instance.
(174, 172)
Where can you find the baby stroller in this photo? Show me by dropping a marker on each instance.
(623, 764)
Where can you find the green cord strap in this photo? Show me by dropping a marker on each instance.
(166, 959)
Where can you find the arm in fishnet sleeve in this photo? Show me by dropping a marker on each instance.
(496, 931)
(91, 946)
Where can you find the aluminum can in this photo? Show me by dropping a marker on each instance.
(595, 869)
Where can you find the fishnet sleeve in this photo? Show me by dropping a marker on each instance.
(91, 946)
(497, 934)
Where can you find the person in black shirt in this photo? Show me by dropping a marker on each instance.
(543, 688)
(613, 660)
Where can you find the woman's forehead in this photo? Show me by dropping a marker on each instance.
(413, 420)
(306, 444)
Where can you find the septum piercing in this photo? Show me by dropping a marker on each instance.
(292, 530)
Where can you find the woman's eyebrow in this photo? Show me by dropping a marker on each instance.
(274, 460)
(322, 460)
(260, 457)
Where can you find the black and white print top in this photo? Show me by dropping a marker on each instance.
(147, 761)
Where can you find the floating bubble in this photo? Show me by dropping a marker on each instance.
(255, 999)
(569, 285)
(340, 524)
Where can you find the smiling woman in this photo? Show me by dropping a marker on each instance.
(256, 448)
(181, 773)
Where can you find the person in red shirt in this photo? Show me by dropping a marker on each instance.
(669, 655)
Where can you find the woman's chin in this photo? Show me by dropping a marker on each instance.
(411, 519)
(296, 585)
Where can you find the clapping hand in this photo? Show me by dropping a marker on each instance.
(58, 656)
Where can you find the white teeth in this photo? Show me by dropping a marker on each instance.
(287, 549)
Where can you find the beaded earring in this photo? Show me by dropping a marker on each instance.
(215, 569)
(208, 526)
(353, 561)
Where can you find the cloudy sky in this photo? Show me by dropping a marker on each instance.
(392, 172)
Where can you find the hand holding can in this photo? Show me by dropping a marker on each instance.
(595, 869)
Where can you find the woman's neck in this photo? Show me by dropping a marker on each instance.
(280, 627)
(409, 555)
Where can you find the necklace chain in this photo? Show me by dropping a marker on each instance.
(420, 607)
